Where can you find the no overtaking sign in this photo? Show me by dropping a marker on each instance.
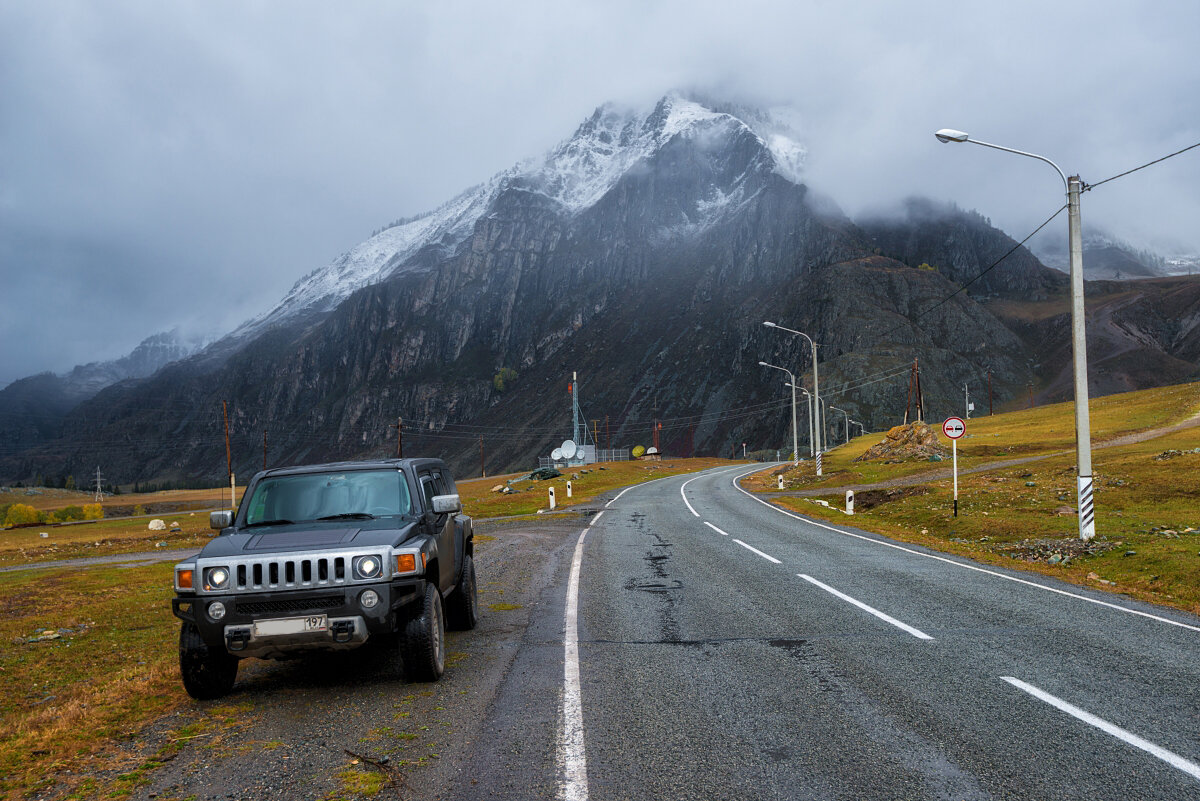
(954, 427)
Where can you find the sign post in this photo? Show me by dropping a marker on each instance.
(954, 428)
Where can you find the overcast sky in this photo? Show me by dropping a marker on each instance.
(183, 163)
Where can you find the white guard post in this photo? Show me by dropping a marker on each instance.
(780, 481)
(569, 490)
(552, 503)
(849, 502)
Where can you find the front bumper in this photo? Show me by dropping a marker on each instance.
(350, 623)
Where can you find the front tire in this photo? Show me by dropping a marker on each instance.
(207, 672)
(462, 607)
(425, 639)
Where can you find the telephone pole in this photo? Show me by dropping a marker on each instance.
(399, 426)
(966, 402)
(228, 456)
(607, 436)
(264, 449)
(482, 470)
(989, 393)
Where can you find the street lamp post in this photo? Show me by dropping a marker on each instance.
(816, 383)
(1083, 432)
(795, 436)
(847, 416)
(861, 429)
(812, 451)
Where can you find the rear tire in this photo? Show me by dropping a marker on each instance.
(425, 639)
(206, 671)
(462, 607)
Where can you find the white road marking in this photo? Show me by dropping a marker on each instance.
(595, 517)
(920, 635)
(766, 556)
(572, 757)
(685, 500)
(714, 528)
(960, 564)
(1171, 758)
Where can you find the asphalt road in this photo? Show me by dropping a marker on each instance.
(706, 645)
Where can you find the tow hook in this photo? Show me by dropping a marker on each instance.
(236, 639)
(342, 630)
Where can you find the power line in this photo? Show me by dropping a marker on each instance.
(1088, 187)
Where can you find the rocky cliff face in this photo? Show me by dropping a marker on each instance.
(644, 253)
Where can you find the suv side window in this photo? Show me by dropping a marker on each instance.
(428, 489)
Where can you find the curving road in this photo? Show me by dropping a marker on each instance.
(699, 643)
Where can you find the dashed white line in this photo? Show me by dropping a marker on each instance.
(714, 528)
(766, 556)
(1095, 601)
(572, 756)
(1171, 758)
(920, 635)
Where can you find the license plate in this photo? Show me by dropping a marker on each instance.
(291, 625)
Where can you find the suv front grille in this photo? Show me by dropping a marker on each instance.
(289, 605)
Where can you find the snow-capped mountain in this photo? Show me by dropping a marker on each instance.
(576, 174)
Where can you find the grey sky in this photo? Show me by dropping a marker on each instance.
(184, 163)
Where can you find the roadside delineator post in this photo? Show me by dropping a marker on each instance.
(780, 481)
(849, 502)
(569, 490)
(552, 503)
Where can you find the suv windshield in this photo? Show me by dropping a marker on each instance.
(312, 496)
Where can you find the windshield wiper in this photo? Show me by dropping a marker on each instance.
(269, 523)
(349, 516)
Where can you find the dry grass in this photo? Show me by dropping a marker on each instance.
(100, 538)
(70, 706)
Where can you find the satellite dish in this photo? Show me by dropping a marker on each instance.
(651, 451)
(556, 454)
(569, 449)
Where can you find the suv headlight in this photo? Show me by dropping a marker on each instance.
(367, 567)
(216, 578)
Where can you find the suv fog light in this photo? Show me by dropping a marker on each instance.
(216, 610)
(368, 599)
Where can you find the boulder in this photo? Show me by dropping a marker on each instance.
(915, 440)
(158, 525)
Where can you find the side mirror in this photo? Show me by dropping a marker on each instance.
(220, 520)
(446, 504)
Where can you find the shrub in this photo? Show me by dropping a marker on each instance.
(139, 510)
(21, 514)
(69, 513)
(93, 511)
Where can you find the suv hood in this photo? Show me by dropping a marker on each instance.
(307, 537)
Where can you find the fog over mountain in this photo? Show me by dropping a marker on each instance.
(183, 165)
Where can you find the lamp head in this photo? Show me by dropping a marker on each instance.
(763, 364)
(769, 324)
(951, 135)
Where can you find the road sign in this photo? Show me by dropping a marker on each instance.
(954, 427)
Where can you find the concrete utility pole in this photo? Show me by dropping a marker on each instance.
(228, 456)
(1083, 433)
(989, 393)
(482, 471)
(264, 449)
(966, 402)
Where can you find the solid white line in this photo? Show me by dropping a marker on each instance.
(1171, 758)
(920, 635)
(685, 500)
(966, 566)
(766, 556)
(595, 517)
(572, 757)
(714, 528)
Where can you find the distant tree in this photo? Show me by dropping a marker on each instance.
(502, 379)
(69, 513)
(93, 511)
(21, 514)
(70, 483)
(116, 490)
